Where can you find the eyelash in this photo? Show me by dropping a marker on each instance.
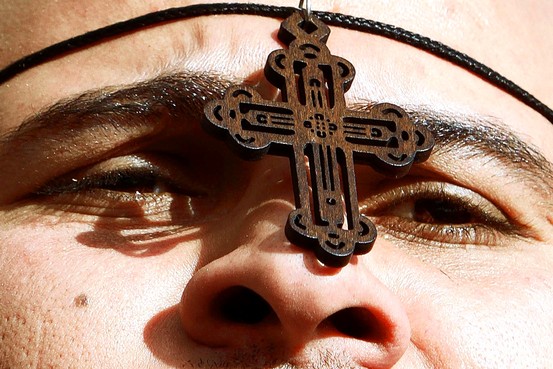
(132, 187)
(470, 219)
(478, 221)
(127, 180)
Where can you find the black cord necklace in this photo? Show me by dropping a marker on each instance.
(334, 19)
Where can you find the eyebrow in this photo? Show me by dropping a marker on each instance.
(487, 137)
(177, 95)
(185, 94)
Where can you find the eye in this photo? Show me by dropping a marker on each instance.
(149, 186)
(129, 174)
(439, 212)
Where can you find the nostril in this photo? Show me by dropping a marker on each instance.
(356, 322)
(241, 305)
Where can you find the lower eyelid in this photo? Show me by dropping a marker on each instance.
(441, 236)
(157, 208)
(108, 203)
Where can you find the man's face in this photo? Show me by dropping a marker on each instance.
(129, 238)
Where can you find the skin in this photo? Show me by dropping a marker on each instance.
(126, 278)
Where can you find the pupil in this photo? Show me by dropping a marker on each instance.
(441, 212)
(126, 182)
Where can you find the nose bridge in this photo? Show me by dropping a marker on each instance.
(270, 186)
(261, 209)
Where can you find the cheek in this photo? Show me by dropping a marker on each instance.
(500, 319)
(40, 304)
(63, 302)
(511, 318)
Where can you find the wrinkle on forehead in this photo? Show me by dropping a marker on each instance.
(504, 35)
(462, 25)
(28, 26)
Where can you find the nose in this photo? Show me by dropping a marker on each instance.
(264, 294)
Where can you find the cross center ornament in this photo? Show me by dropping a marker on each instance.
(313, 124)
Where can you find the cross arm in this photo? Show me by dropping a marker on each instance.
(386, 138)
(253, 124)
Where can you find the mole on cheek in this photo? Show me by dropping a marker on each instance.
(81, 300)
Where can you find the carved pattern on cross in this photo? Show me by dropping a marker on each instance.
(312, 124)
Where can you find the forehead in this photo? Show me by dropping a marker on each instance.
(508, 36)
(488, 30)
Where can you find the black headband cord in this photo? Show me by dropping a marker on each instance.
(333, 19)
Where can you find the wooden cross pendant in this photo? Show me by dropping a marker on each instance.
(313, 124)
